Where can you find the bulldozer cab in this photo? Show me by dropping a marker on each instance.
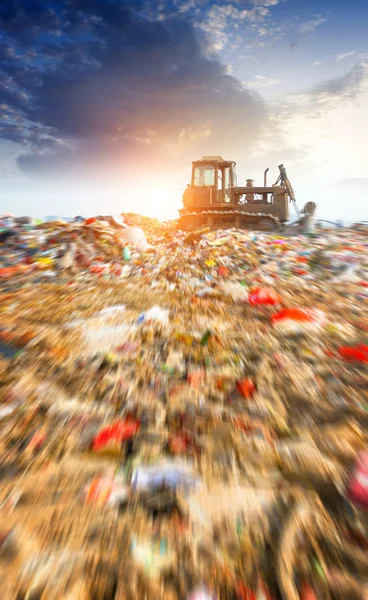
(212, 183)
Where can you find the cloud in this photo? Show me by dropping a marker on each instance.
(221, 20)
(329, 93)
(260, 82)
(317, 63)
(265, 3)
(310, 26)
(351, 182)
(23, 19)
(116, 88)
(345, 55)
(183, 5)
(346, 86)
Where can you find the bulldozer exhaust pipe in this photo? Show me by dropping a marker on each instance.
(265, 178)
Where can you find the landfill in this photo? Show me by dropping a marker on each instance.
(183, 416)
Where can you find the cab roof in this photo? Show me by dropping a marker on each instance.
(213, 160)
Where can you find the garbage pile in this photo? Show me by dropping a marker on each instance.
(190, 424)
(96, 243)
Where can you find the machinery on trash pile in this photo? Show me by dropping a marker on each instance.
(214, 199)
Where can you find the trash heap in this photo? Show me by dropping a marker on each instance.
(191, 424)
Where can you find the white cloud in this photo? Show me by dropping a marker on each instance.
(222, 19)
(317, 63)
(310, 26)
(265, 2)
(345, 55)
(260, 81)
(192, 133)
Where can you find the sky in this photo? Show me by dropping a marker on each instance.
(105, 103)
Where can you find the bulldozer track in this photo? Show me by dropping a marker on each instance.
(232, 212)
(233, 218)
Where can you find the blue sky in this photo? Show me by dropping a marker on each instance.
(105, 103)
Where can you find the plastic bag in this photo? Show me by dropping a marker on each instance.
(246, 387)
(354, 353)
(113, 435)
(98, 269)
(173, 474)
(160, 315)
(263, 296)
(105, 490)
(235, 290)
(223, 271)
(358, 485)
(298, 319)
(133, 235)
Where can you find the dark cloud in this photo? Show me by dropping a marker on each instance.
(35, 163)
(128, 158)
(26, 16)
(115, 82)
(13, 133)
(346, 85)
(327, 95)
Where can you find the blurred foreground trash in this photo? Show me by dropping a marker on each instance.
(182, 417)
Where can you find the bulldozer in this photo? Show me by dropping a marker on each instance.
(213, 198)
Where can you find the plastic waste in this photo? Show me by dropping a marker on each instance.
(358, 485)
(246, 387)
(156, 314)
(357, 353)
(235, 290)
(126, 253)
(112, 310)
(201, 593)
(223, 271)
(118, 220)
(298, 319)
(112, 436)
(133, 235)
(263, 296)
(210, 382)
(106, 490)
(172, 474)
(99, 269)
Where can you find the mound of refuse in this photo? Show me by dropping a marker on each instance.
(182, 416)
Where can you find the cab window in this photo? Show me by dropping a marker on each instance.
(204, 176)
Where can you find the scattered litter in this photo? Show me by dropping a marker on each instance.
(182, 415)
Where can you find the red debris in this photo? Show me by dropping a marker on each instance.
(263, 296)
(357, 353)
(246, 387)
(115, 434)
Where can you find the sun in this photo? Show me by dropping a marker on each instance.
(162, 203)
